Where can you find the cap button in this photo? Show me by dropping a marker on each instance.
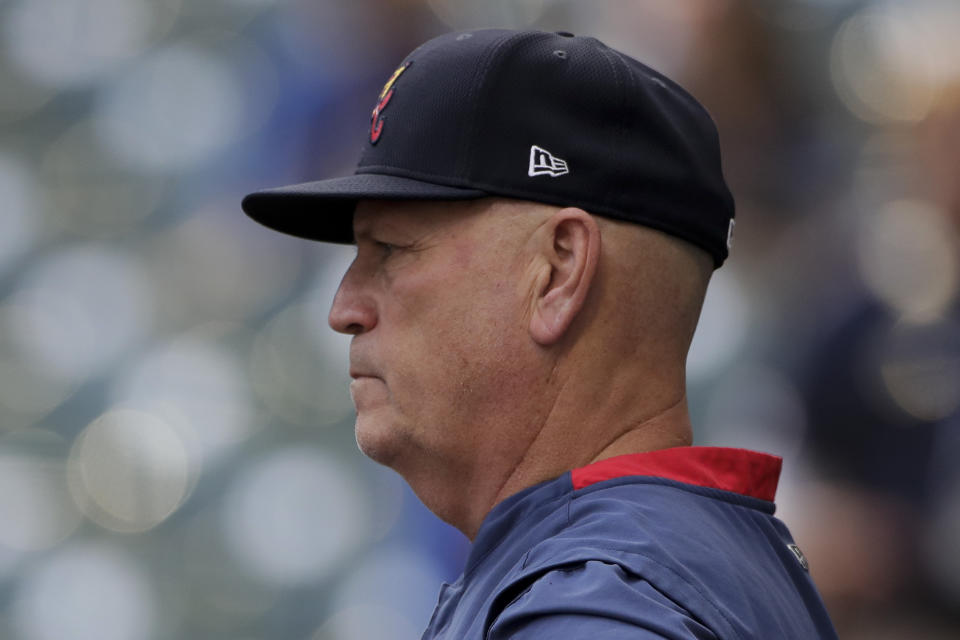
(565, 34)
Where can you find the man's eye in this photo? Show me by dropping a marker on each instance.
(386, 247)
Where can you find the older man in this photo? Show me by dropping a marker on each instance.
(536, 219)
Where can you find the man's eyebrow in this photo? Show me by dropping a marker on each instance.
(367, 230)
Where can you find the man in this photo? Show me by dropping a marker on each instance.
(536, 219)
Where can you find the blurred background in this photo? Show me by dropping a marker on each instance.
(176, 449)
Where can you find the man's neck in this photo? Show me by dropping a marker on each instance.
(670, 428)
(561, 449)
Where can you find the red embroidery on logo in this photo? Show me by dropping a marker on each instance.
(376, 120)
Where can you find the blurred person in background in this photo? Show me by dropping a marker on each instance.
(537, 217)
(886, 443)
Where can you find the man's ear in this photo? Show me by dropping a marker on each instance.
(571, 249)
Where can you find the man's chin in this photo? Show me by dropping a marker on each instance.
(377, 439)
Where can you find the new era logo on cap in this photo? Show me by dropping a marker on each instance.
(544, 163)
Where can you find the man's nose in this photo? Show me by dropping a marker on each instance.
(353, 311)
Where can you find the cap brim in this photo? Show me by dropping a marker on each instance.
(323, 210)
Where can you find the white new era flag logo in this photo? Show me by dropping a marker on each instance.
(542, 162)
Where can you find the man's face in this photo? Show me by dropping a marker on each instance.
(440, 350)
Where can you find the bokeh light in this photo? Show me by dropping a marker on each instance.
(920, 368)
(294, 516)
(908, 256)
(36, 511)
(172, 111)
(79, 310)
(890, 61)
(196, 387)
(129, 470)
(87, 591)
(70, 42)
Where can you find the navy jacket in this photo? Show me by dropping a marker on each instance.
(678, 544)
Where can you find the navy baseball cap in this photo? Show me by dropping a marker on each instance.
(549, 117)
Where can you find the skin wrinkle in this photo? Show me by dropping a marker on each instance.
(473, 408)
(622, 445)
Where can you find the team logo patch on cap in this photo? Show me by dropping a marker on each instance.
(376, 119)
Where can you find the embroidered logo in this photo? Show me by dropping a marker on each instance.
(799, 556)
(376, 119)
(544, 163)
(730, 234)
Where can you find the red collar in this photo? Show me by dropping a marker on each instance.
(738, 470)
